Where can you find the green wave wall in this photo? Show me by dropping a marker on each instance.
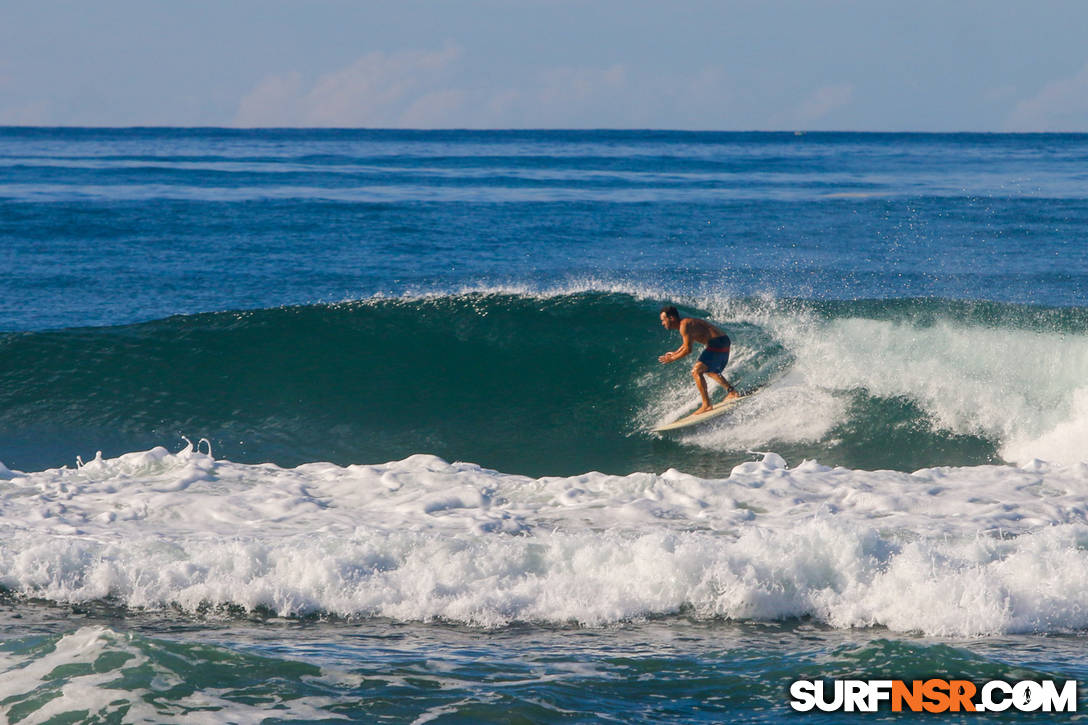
(536, 384)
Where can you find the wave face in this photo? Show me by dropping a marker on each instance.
(558, 383)
(945, 551)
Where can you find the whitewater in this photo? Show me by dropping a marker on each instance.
(423, 539)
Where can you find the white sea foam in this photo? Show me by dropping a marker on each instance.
(1012, 386)
(98, 675)
(1025, 390)
(944, 550)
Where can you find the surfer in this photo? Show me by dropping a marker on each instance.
(712, 360)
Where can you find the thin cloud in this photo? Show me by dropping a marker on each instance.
(1061, 105)
(822, 102)
(421, 89)
(431, 109)
(374, 91)
(32, 113)
(556, 98)
(274, 102)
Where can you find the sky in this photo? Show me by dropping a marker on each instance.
(862, 65)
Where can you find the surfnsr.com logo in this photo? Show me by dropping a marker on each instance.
(933, 695)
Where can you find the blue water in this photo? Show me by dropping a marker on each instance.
(105, 227)
(357, 297)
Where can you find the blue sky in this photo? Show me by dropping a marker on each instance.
(973, 65)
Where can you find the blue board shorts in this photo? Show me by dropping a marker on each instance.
(716, 354)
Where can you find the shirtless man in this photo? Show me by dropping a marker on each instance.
(712, 360)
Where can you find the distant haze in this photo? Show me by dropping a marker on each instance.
(925, 65)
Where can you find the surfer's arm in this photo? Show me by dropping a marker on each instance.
(679, 353)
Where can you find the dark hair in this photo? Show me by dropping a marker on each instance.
(671, 311)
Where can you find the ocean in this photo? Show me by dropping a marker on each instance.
(319, 425)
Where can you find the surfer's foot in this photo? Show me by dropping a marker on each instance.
(702, 409)
(732, 394)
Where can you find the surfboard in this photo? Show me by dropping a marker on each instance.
(689, 420)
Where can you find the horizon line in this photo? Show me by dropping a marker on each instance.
(456, 129)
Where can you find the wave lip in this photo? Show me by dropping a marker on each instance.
(951, 551)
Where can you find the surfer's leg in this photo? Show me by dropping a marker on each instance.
(713, 362)
(731, 392)
(697, 372)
